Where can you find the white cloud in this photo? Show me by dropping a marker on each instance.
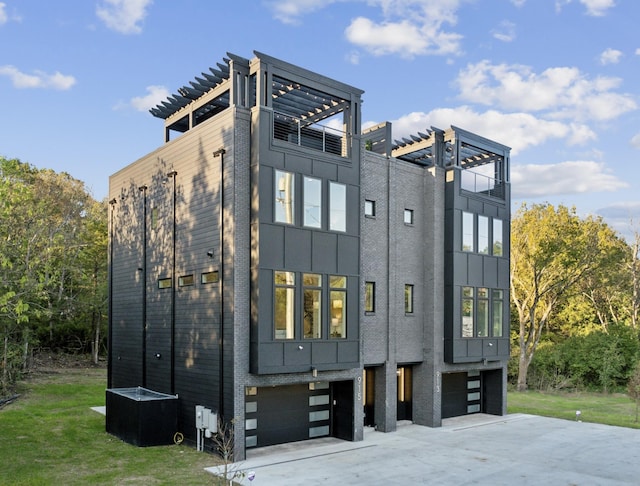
(506, 32)
(409, 28)
(406, 27)
(517, 130)
(595, 8)
(39, 79)
(4, 18)
(518, 3)
(635, 140)
(155, 95)
(598, 8)
(610, 56)
(123, 16)
(570, 177)
(638, 51)
(290, 11)
(560, 92)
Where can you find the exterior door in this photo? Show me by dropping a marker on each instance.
(342, 410)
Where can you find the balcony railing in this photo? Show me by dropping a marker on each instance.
(481, 184)
(310, 135)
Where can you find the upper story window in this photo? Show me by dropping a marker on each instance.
(337, 206)
(338, 306)
(408, 299)
(284, 306)
(369, 208)
(312, 202)
(497, 237)
(467, 311)
(497, 305)
(483, 234)
(284, 197)
(482, 312)
(408, 216)
(468, 231)
(369, 296)
(312, 305)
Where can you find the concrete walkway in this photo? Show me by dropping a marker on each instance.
(476, 449)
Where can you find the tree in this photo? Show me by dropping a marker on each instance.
(52, 256)
(633, 387)
(552, 250)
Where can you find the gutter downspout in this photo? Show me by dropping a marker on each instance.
(112, 203)
(220, 153)
(173, 175)
(143, 189)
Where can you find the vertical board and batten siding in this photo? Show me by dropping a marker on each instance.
(197, 307)
(126, 282)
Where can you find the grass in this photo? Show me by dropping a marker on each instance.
(50, 435)
(610, 409)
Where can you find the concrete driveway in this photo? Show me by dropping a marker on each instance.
(476, 449)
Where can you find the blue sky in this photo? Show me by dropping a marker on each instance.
(556, 80)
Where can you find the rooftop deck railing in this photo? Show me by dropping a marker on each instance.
(310, 135)
(481, 184)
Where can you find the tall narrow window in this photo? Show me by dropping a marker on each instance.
(483, 234)
(483, 312)
(369, 296)
(467, 312)
(284, 305)
(408, 299)
(496, 308)
(312, 305)
(337, 207)
(467, 232)
(497, 237)
(312, 197)
(338, 306)
(284, 197)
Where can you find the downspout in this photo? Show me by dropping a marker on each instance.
(112, 203)
(173, 175)
(220, 153)
(143, 189)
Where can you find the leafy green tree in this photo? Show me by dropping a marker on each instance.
(553, 251)
(53, 258)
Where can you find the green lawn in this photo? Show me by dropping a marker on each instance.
(50, 435)
(611, 409)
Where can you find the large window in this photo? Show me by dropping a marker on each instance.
(497, 237)
(482, 312)
(468, 232)
(408, 299)
(337, 207)
(497, 307)
(467, 312)
(312, 205)
(284, 308)
(338, 306)
(483, 234)
(369, 296)
(284, 197)
(312, 306)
